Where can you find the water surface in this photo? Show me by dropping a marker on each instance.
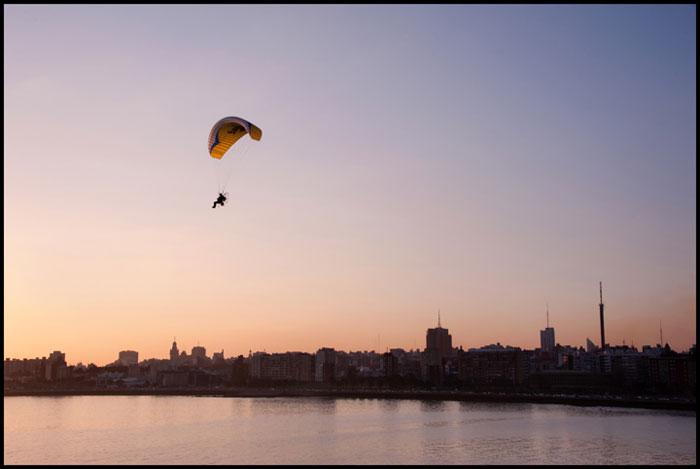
(215, 430)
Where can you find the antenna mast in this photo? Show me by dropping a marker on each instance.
(602, 320)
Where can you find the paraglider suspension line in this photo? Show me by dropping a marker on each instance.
(244, 152)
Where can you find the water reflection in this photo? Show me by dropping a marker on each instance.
(433, 406)
(214, 430)
(293, 406)
(389, 405)
(466, 406)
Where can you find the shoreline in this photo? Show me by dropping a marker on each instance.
(587, 401)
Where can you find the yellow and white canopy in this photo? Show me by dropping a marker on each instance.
(227, 132)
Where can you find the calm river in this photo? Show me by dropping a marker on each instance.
(214, 430)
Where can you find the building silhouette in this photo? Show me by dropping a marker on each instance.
(325, 365)
(56, 367)
(547, 341)
(174, 353)
(218, 357)
(438, 348)
(590, 346)
(439, 340)
(128, 357)
(288, 366)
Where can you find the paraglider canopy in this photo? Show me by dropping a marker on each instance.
(227, 132)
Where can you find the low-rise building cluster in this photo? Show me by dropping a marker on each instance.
(561, 368)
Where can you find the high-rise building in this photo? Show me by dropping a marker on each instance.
(325, 365)
(55, 366)
(439, 340)
(547, 341)
(128, 357)
(438, 347)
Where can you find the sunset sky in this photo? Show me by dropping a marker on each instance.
(479, 160)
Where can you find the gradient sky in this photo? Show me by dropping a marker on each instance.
(483, 160)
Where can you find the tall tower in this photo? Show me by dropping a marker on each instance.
(602, 320)
(439, 340)
(174, 352)
(547, 341)
(438, 347)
